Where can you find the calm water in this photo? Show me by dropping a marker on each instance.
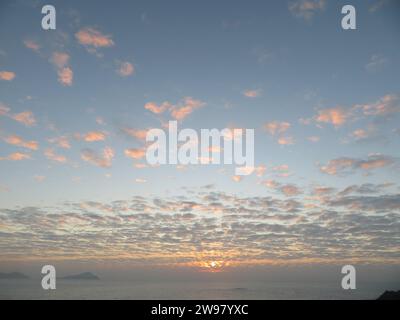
(103, 289)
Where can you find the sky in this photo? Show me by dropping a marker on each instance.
(76, 103)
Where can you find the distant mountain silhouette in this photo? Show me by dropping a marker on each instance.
(390, 295)
(13, 275)
(82, 276)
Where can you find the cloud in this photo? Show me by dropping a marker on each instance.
(93, 136)
(276, 127)
(179, 111)
(93, 39)
(103, 160)
(16, 156)
(290, 190)
(366, 188)
(138, 134)
(125, 69)
(60, 59)
(285, 141)
(306, 9)
(252, 93)
(18, 141)
(32, 45)
(267, 230)
(27, 118)
(157, 109)
(65, 76)
(4, 110)
(377, 5)
(39, 178)
(51, 155)
(335, 116)
(62, 142)
(388, 104)
(344, 166)
(381, 203)
(376, 63)
(135, 153)
(237, 178)
(7, 75)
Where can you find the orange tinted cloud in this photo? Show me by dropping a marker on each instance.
(18, 141)
(30, 44)
(7, 75)
(17, 156)
(335, 116)
(290, 190)
(286, 141)
(94, 136)
(276, 127)
(65, 76)
(237, 178)
(384, 106)
(183, 110)
(94, 38)
(179, 111)
(135, 153)
(103, 160)
(343, 166)
(27, 118)
(139, 134)
(60, 59)
(252, 93)
(157, 109)
(125, 69)
(62, 142)
(51, 155)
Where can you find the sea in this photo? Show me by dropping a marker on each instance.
(30, 289)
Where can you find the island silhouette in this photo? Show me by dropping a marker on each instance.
(13, 275)
(81, 276)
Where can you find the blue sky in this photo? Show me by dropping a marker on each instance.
(323, 101)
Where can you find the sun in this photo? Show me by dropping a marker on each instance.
(214, 266)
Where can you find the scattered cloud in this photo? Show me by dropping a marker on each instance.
(125, 69)
(51, 155)
(103, 160)
(335, 116)
(7, 75)
(388, 104)
(32, 45)
(62, 142)
(286, 141)
(92, 136)
(26, 118)
(306, 9)
(92, 39)
(376, 63)
(16, 156)
(377, 5)
(344, 166)
(18, 141)
(179, 111)
(135, 153)
(276, 127)
(65, 74)
(252, 93)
